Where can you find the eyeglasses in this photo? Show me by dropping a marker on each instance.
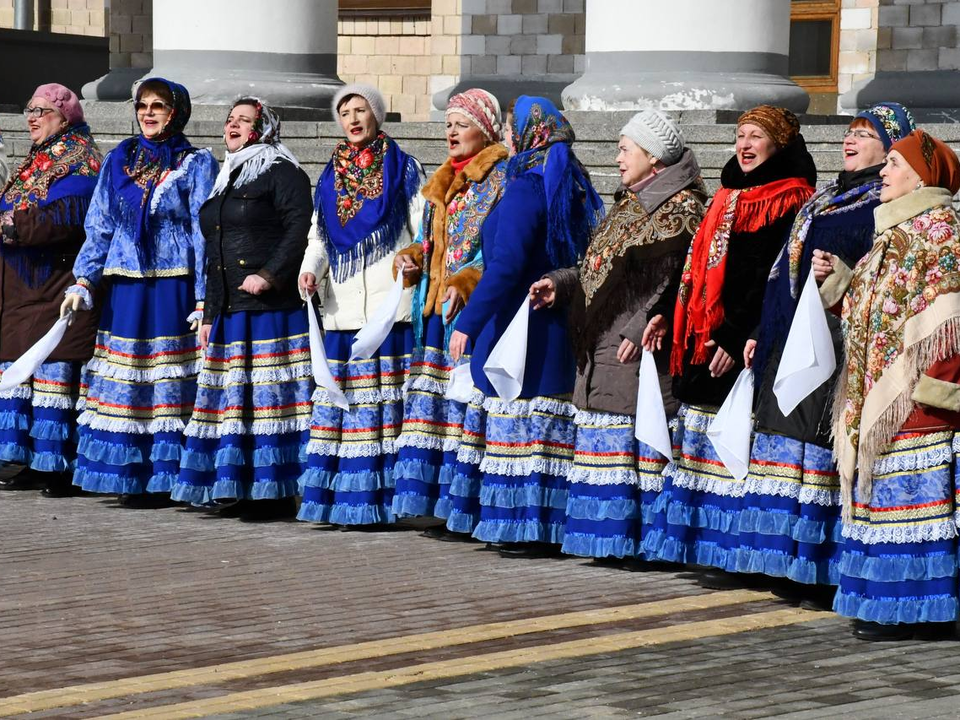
(36, 112)
(860, 134)
(155, 107)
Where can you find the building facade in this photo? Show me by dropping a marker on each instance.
(594, 54)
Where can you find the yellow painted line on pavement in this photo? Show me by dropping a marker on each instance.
(367, 681)
(240, 670)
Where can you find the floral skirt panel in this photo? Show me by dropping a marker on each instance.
(695, 517)
(252, 414)
(351, 454)
(432, 426)
(141, 386)
(613, 481)
(527, 458)
(38, 419)
(790, 513)
(899, 559)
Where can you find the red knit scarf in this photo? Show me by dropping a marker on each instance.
(699, 309)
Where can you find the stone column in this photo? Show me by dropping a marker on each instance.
(686, 55)
(285, 52)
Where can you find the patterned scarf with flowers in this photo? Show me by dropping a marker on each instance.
(362, 199)
(58, 176)
(543, 139)
(901, 314)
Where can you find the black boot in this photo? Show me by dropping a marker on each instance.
(60, 485)
(23, 480)
(269, 510)
(878, 632)
(528, 550)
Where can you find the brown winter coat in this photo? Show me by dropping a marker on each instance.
(27, 313)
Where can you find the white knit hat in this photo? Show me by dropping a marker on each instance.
(657, 133)
(368, 93)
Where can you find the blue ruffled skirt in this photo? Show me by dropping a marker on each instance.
(351, 455)
(789, 519)
(38, 419)
(695, 517)
(527, 458)
(140, 388)
(432, 427)
(252, 413)
(899, 559)
(613, 481)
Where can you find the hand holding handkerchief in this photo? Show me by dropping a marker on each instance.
(505, 364)
(732, 427)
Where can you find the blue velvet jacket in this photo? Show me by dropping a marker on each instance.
(178, 244)
(515, 256)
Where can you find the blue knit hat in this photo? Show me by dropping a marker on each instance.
(891, 120)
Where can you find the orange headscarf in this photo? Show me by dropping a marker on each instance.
(932, 159)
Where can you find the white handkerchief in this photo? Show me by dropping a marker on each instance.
(379, 325)
(731, 429)
(504, 367)
(318, 359)
(28, 363)
(808, 358)
(460, 385)
(651, 425)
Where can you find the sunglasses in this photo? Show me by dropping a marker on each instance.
(36, 112)
(155, 107)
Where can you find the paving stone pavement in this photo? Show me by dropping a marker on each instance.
(94, 593)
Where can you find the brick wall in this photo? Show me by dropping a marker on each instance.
(920, 35)
(523, 37)
(75, 17)
(393, 54)
(858, 42)
(131, 33)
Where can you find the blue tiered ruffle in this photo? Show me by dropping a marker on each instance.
(899, 559)
(612, 478)
(141, 385)
(432, 426)
(351, 455)
(789, 524)
(252, 414)
(38, 419)
(528, 454)
(695, 517)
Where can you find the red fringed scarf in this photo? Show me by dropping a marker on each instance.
(699, 309)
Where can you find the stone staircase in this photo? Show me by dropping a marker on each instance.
(709, 133)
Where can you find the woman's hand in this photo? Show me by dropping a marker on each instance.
(543, 293)
(722, 361)
(71, 304)
(254, 285)
(628, 352)
(404, 264)
(654, 333)
(204, 335)
(308, 283)
(822, 264)
(458, 345)
(748, 350)
(456, 303)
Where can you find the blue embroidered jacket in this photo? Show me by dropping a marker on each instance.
(178, 244)
(515, 256)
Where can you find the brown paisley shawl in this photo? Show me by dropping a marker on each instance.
(634, 252)
(901, 314)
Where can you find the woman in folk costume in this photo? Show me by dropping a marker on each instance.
(42, 207)
(543, 222)
(637, 250)
(897, 412)
(144, 243)
(718, 305)
(445, 268)
(790, 515)
(367, 206)
(252, 413)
